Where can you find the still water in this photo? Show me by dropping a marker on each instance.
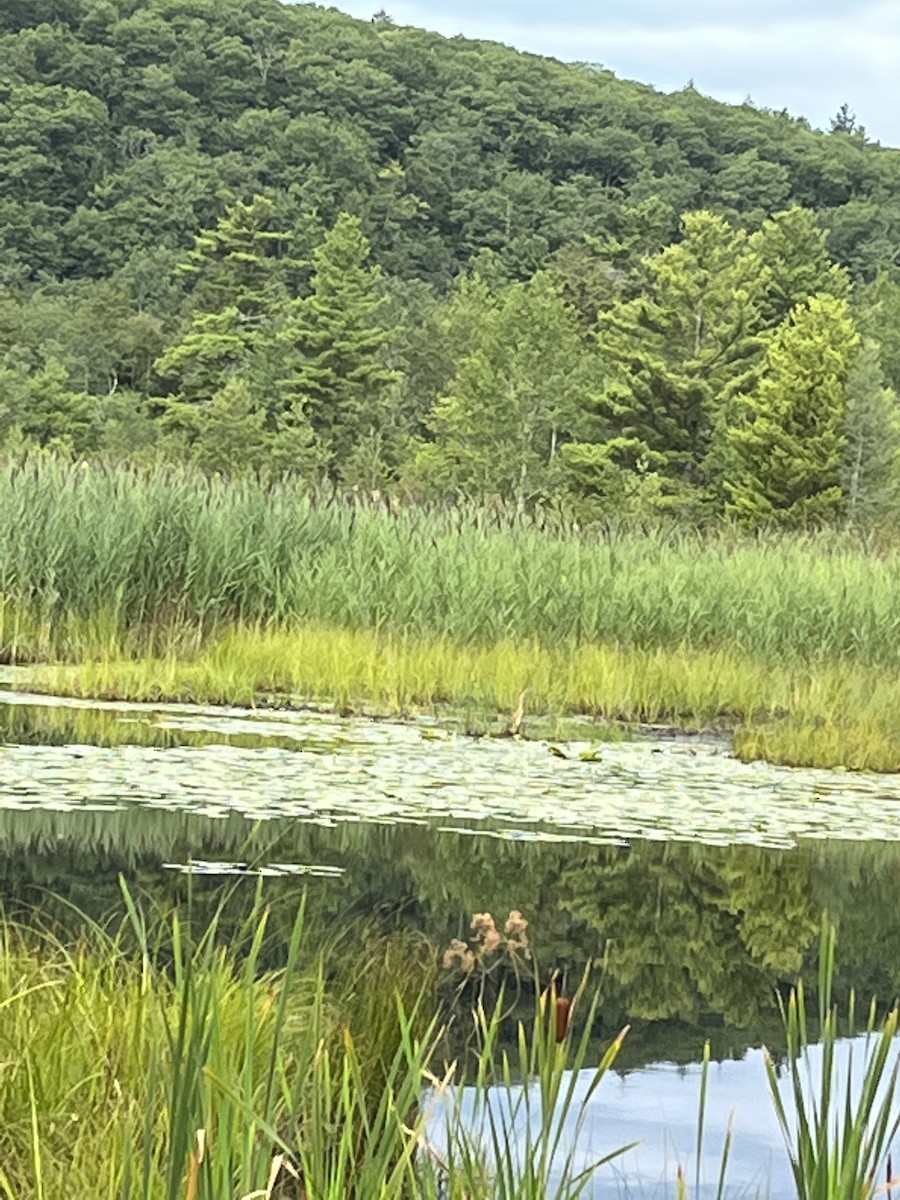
(700, 881)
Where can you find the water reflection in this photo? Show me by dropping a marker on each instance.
(696, 938)
(699, 882)
(658, 1109)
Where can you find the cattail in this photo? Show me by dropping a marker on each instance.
(563, 1017)
(563, 1008)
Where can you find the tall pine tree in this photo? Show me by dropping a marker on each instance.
(792, 246)
(238, 297)
(681, 349)
(788, 445)
(341, 339)
(235, 363)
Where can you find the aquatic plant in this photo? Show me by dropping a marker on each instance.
(518, 1126)
(840, 1128)
(131, 558)
(841, 714)
(166, 1064)
(489, 947)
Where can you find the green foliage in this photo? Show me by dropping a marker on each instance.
(166, 1063)
(232, 436)
(216, 346)
(41, 408)
(146, 548)
(871, 472)
(126, 130)
(839, 1139)
(340, 370)
(680, 349)
(789, 443)
(878, 316)
(281, 195)
(238, 295)
(791, 246)
(239, 263)
(522, 379)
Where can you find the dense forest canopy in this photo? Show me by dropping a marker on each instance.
(271, 237)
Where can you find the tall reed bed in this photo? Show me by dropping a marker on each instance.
(92, 556)
(175, 1068)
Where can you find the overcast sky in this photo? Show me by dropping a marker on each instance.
(809, 56)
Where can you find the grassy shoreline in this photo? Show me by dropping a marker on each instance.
(825, 715)
(164, 1062)
(168, 585)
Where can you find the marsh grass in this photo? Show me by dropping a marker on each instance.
(117, 557)
(811, 715)
(166, 585)
(161, 1064)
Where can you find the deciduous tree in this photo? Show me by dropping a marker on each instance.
(517, 393)
(871, 472)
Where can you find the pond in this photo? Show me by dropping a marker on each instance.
(699, 881)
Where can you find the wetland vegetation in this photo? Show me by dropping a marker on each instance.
(125, 584)
(160, 1062)
(348, 371)
(132, 1024)
(170, 1058)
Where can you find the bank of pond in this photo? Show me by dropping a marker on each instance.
(212, 1050)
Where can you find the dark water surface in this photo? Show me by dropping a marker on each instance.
(700, 881)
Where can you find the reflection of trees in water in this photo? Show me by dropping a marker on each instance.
(695, 938)
(67, 725)
(859, 886)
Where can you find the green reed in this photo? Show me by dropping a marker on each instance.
(165, 1063)
(840, 1132)
(155, 561)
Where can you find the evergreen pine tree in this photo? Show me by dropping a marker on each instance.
(878, 316)
(793, 248)
(232, 435)
(240, 263)
(237, 302)
(213, 349)
(341, 371)
(45, 410)
(681, 349)
(788, 446)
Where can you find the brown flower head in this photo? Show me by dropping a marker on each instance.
(481, 923)
(458, 955)
(491, 941)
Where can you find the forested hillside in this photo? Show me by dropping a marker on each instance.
(270, 237)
